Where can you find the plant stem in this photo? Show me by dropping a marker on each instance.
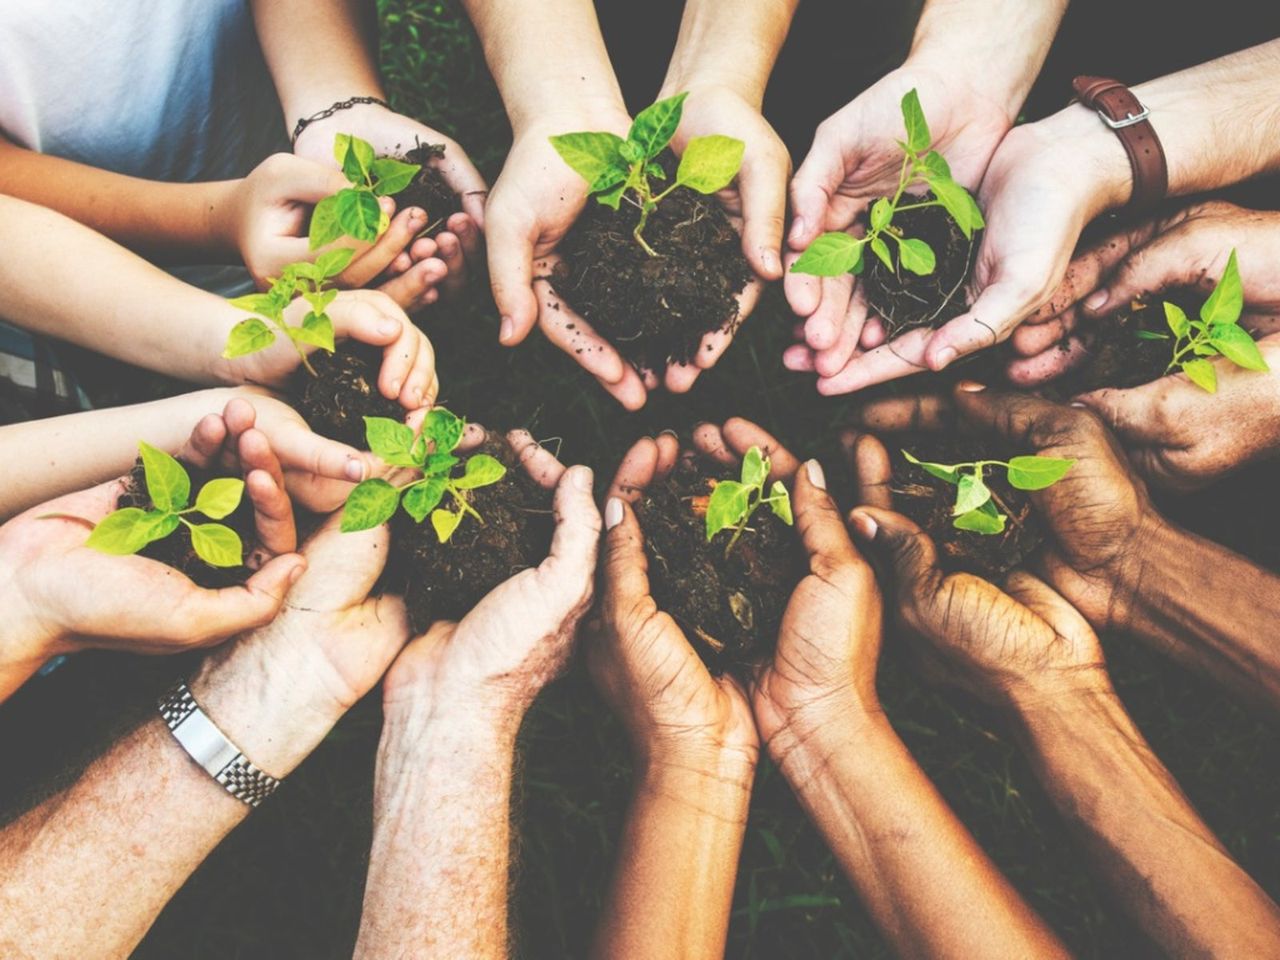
(461, 501)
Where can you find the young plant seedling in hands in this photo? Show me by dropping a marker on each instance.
(128, 530)
(374, 502)
(976, 508)
(354, 211)
(732, 502)
(833, 254)
(308, 280)
(1217, 333)
(620, 169)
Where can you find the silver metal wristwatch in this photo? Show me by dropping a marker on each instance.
(210, 748)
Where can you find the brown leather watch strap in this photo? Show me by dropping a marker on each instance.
(1122, 112)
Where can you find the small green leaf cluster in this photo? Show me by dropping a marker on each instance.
(308, 280)
(618, 169)
(833, 254)
(732, 502)
(374, 502)
(354, 211)
(128, 530)
(976, 508)
(1217, 333)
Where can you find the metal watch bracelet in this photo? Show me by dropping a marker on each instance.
(211, 749)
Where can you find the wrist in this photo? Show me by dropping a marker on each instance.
(317, 137)
(803, 742)
(222, 217)
(709, 761)
(1087, 157)
(1137, 572)
(1072, 713)
(604, 113)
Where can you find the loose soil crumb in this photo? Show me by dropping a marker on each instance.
(335, 402)
(428, 189)
(906, 301)
(730, 608)
(654, 309)
(175, 550)
(445, 581)
(929, 500)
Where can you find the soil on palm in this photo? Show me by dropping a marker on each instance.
(175, 550)
(928, 501)
(654, 309)
(344, 391)
(730, 606)
(428, 189)
(905, 300)
(445, 581)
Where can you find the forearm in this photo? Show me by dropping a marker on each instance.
(439, 865)
(732, 45)
(677, 860)
(1144, 838)
(927, 884)
(168, 222)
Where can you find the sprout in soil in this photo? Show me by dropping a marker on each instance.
(308, 280)
(354, 211)
(618, 169)
(128, 530)
(732, 502)
(976, 507)
(374, 502)
(1217, 333)
(833, 254)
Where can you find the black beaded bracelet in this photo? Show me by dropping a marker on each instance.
(330, 111)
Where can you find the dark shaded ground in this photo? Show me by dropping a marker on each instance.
(288, 884)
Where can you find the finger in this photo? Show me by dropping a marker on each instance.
(832, 360)
(668, 453)
(539, 462)
(511, 278)
(906, 552)
(400, 264)
(708, 441)
(803, 290)
(629, 391)
(873, 333)
(741, 435)
(342, 568)
(1042, 600)
(1015, 416)
(714, 344)
(450, 250)
(680, 377)
(461, 174)
(923, 411)
(272, 513)
(399, 234)
(626, 579)
(1029, 340)
(207, 615)
(422, 370)
(762, 182)
(636, 471)
(818, 522)
(568, 331)
(812, 187)
(1131, 414)
(898, 358)
(799, 358)
(1052, 363)
(1090, 268)
(999, 308)
(300, 449)
(205, 444)
(1167, 261)
(464, 228)
(571, 564)
(870, 468)
(410, 289)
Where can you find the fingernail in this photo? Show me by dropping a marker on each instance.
(971, 386)
(864, 526)
(388, 326)
(507, 330)
(814, 469)
(669, 433)
(417, 214)
(583, 479)
(1096, 300)
(353, 470)
(1079, 406)
(612, 513)
(395, 388)
(797, 229)
(945, 357)
(770, 260)
(296, 573)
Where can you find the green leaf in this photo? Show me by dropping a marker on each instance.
(445, 523)
(443, 429)
(248, 336)
(319, 301)
(755, 468)
(973, 492)
(1227, 300)
(590, 154)
(613, 198)
(609, 179)
(1176, 319)
(1202, 374)
(830, 255)
(917, 256)
(1150, 335)
(216, 545)
(390, 176)
(918, 137)
(359, 214)
(422, 498)
(655, 170)
(935, 165)
(391, 441)
(219, 497)
(631, 152)
(315, 330)
(727, 506)
(333, 262)
(167, 483)
(780, 502)
(439, 464)
(655, 125)
(325, 227)
(939, 470)
(881, 213)
(881, 250)
(958, 202)
(1234, 343)
(263, 303)
(1036, 473)
(481, 471)
(355, 155)
(370, 504)
(986, 519)
(710, 163)
(128, 530)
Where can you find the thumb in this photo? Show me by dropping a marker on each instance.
(306, 181)
(998, 310)
(1047, 604)
(511, 278)
(625, 566)
(763, 184)
(811, 190)
(215, 614)
(341, 567)
(367, 316)
(906, 552)
(1168, 261)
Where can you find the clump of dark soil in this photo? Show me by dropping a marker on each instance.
(905, 300)
(731, 606)
(175, 550)
(445, 581)
(928, 501)
(345, 391)
(429, 189)
(654, 309)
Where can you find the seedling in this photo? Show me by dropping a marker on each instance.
(732, 502)
(833, 254)
(308, 280)
(374, 502)
(977, 507)
(128, 530)
(1217, 333)
(620, 169)
(354, 211)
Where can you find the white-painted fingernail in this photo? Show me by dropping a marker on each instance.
(612, 513)
(814, 469)
(1096, 300)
